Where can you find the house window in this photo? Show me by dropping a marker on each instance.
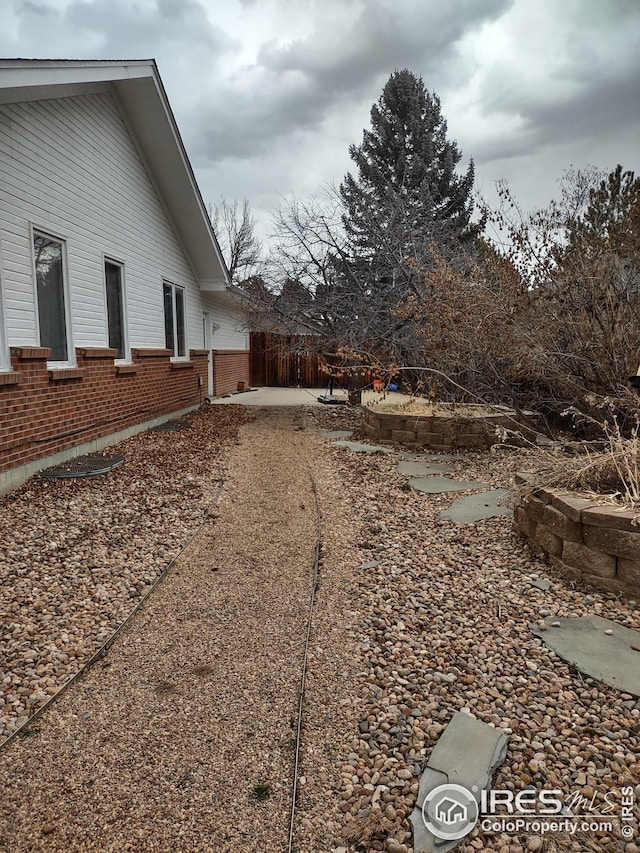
(174, 319)
(51, 293)
(115, 308)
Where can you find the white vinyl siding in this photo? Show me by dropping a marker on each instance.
(229, 325)
(70, 167)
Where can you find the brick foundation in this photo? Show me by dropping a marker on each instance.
(585, 541)
(229, 368)
(43, 411)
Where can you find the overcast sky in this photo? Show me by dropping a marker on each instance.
(268, 94)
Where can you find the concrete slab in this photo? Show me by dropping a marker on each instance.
(359, 447)
(542, 584)
(295, 397)
(335, 433)
(438, 485)
(597, 647)
(413, 468)
(466, 755)
(477, 507)
(273, 397)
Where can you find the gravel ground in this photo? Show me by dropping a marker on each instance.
(442, 625)
(162, 744)
(77, 555)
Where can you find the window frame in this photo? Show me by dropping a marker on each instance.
(175, 356)
(5, 353)
(126, 347)
(35, 231)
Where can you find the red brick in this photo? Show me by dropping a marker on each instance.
(40, 417)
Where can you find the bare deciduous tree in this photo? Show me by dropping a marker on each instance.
(235, 228)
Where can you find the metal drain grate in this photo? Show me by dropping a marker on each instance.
(171, 426)
(84, 466)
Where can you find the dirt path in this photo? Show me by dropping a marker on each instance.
(171, 740)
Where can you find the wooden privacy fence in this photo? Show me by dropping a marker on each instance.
(286, 360)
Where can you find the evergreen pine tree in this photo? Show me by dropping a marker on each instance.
(406, 195)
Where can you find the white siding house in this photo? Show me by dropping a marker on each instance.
(105, 243)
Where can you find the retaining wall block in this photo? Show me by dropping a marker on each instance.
(535, 508)
(431, 439)
(570, 505)
(607, 584)
(371, 420)
(611, 541)
(562, 526)
(608, 516)
(568, 572)
(403, 436)
(525, 524)
(378, 434)
(466, 439)
(425, 426)
(589, 560)
(629, 571)
(548, 540)
(391, 422)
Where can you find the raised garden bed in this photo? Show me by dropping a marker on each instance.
(584, 540)
(440, 427)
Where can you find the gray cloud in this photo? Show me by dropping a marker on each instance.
(527, 86)
(292, 89)
(587, 92)
(114, 29)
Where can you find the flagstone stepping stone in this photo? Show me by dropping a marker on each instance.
(435, 457)
(335, 433)
(477, 507)
(422, 469)
(542, 583)
(437, 485)
(358, 447)
(464, 759)
(598, 647)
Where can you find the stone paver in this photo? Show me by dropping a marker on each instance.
(466, 754)
(422, 469)
(438, 485)
(597, 647)
(334, 434)
(359, 447)
(473, 508)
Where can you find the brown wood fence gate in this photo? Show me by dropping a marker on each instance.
(286, 361)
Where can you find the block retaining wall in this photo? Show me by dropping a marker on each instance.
(44, 412)
(438, 432)
(584, 541)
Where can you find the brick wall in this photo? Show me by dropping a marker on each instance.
(229, 368)
(43, 411)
